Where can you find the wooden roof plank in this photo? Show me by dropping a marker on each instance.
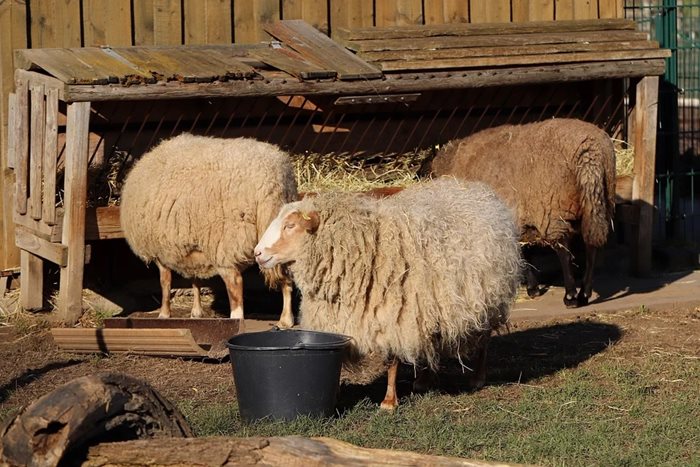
(291, 62)
(62, 64)
(318, 48)
(504, 40)
(477, 29)
(110, 65)
(519, 60)
(167, 63)
(234, 67)
(388, 55)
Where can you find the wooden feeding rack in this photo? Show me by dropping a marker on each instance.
(56, 90)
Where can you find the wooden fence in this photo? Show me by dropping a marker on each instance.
(82, 23)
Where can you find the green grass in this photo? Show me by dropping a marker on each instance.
(624, 411)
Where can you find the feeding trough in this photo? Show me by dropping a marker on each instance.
(283, 374)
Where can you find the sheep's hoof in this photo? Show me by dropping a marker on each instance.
(582, 299)
(570, 301)
(389, 404)
(284, 325)
(535, 292)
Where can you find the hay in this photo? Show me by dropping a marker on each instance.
(322, 172)
(624, 158)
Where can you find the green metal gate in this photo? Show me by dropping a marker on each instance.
(676, 25)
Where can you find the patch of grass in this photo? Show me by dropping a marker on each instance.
(606, 411)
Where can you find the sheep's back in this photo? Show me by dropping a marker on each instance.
(192, 202)
(532, 167)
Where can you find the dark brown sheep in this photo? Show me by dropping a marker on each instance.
(557, 175)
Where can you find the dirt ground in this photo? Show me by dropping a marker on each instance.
(31, 365)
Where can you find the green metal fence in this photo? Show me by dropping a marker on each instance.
(676, 25)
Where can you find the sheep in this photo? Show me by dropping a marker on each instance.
(428, 272)
(558, 175)
(197, 205)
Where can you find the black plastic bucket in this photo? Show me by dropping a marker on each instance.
(283, 374)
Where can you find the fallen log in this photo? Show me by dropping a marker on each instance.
(88, 410)
(289, 451)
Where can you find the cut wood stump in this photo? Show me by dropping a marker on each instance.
(289, 451)
(92, 409)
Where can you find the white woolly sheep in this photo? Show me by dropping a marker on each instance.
(558, 175)
(428, 272)
(197, 205)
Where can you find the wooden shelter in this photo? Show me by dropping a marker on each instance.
(56, 114)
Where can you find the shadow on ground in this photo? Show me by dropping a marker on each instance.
(517, 357)
(32, 375)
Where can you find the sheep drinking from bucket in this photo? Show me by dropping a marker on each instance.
(424, 274)
(559, 177)
(198, 205)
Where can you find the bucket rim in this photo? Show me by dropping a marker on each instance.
(342, 341)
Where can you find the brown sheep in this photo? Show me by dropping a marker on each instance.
(557, 175)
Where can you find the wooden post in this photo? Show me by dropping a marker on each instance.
(31, 292)
(644, 138)
(73, 236)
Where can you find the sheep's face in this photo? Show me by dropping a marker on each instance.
(284, 237)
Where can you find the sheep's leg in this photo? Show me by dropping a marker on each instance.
(234, 287)
(425, 381)
(390, 401)
(533, 285)
(166, 280)
(197, 311)
(477, 378)
(585, 293)
(286, 318)
(565, 258)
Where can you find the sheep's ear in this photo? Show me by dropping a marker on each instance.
(310, 221)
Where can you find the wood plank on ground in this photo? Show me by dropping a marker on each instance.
(461, 29)
(320, 49)
(175, 342)
(289, 61)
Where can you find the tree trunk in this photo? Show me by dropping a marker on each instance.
(89, 410)
(289, 451)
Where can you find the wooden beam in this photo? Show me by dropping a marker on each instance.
(27, 241)
(400, 83)
(48, 213)
(645, 128)
(260, 451)
(485, 62)
(37, 121)
(21, 149)
(71, 276)
(31, 292)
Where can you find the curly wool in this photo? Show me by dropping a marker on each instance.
(411, 275)
(198, 203)
(555, 174)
